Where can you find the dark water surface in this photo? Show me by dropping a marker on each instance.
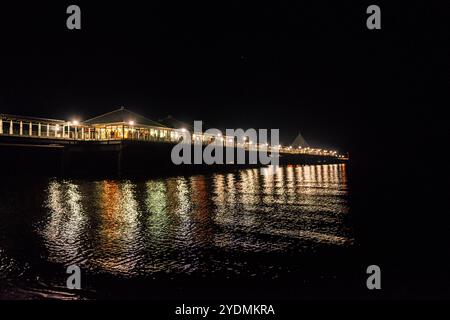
(152, 238)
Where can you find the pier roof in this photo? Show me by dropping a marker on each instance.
(299, 142)
(123, 116)
(171, 122)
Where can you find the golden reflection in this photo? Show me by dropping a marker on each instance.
(219, 189)
(118, 226)
(290, 185)
(201, 215)
(231, 197)
(342, 174)
(224, 193)
(247, 188)
(199, 195)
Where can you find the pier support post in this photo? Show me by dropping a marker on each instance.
(39, 129)
(21, 128)
(30, 129)
(48, 130)
(1, 126)
(11, 128)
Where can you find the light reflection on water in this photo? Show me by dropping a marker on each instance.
(169, 225)
(224, 225)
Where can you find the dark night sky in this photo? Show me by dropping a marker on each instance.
(311, 66)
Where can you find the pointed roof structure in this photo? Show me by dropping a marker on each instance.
(122, 116)
(299, 142)
(171, 122)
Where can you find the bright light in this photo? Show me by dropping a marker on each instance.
(219, 135)
(250, 142)
(131, 123)
(75, 122)
(183, 130)
(244, 138)
(230, 140)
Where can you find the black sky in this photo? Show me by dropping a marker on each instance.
(305, 66)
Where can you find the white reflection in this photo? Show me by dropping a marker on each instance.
(64, 230)
(308, 202)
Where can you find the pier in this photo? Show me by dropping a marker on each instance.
(120, 142)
